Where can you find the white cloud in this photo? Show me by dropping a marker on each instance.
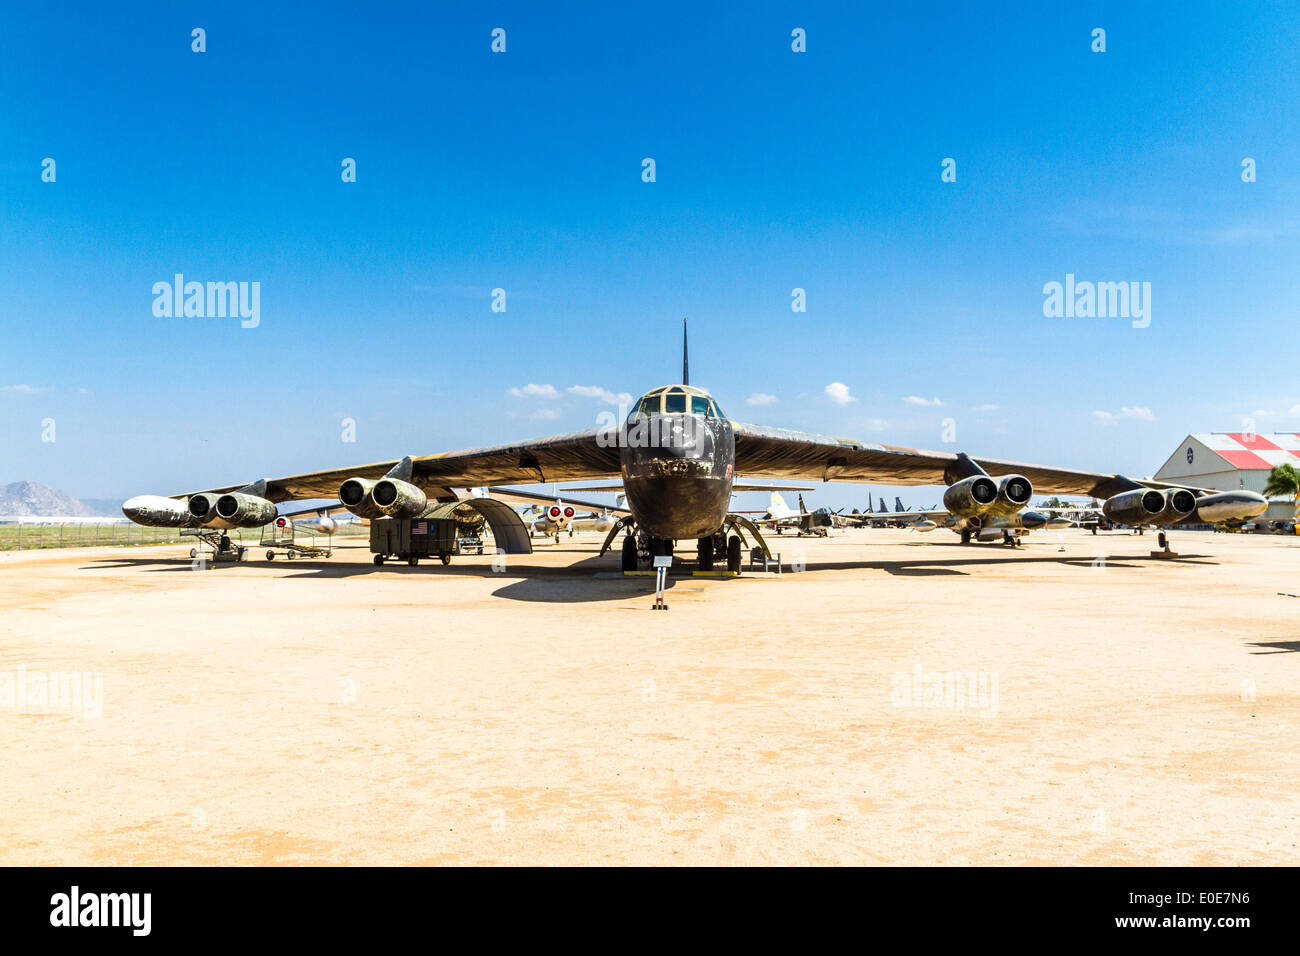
(1105, 418)
(838, 393)
(1294, 410)
(545, 414)
(535, 391)
(1138, 412)
(595, 391)
(984, 408)
(762, 398)
(918, 400)
(27, 389)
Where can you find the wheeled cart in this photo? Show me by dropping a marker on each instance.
(410, 539)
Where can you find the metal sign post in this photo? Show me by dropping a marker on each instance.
(662, 563)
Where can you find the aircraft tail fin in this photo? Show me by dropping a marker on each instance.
(776, 505)
(686, 364)
(898, 504)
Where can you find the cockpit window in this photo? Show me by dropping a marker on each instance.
(675, 403)
(650, 405)
(700, 406)
(716, 410)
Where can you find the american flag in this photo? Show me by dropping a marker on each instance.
(419, 527)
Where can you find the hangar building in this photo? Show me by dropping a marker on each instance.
(1232, 460)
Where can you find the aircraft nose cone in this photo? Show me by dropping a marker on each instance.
(1032, 519)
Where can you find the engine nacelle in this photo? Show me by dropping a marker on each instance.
(239, 510)
(971, 496)
(1179, 503)
(1139, 506)
(1013, 494)
(203, 509)
(356, 495)
(398, 499)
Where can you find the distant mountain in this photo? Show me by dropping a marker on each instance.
(29, 498)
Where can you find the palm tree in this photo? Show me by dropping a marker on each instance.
(1283, 481)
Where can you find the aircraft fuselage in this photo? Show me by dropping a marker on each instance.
(678, 467)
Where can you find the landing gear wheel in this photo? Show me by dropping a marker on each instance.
(412, 561)
(629, 553)
(704, 553)
(965, 536)
(1163, 541)
(379, 559)
(733, 554)
(445, 558)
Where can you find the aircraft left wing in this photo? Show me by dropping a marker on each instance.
(763, 452)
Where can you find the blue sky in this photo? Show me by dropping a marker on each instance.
(775, 170)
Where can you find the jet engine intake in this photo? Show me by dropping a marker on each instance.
(971, 496)
(239, 510)
(1013, 494)
(355, 494)
(1140, 506)
(398, 499)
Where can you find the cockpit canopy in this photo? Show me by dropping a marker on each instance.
(678, 400)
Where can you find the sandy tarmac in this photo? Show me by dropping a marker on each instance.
(1116, 709)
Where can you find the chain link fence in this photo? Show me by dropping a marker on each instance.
(24, 537)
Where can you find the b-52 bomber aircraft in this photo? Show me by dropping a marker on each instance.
(678, 456)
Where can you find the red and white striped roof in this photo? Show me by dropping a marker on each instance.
(1253, 451)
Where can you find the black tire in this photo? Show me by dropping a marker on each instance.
(965, 536)
(270, 555)
(629, 553)
(704, 553)
(733, 554)
(445, 558)
(379, 559)
(412, 561)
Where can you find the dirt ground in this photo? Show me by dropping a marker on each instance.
(904, 699)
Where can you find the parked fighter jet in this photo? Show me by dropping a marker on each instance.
(679, 455)
(780, 516)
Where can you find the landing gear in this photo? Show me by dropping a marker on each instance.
(1163, 541)
(629, 553)
(704, 553)
(1009, 538)
(733, 554)
(379, 559)
(965, 536)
